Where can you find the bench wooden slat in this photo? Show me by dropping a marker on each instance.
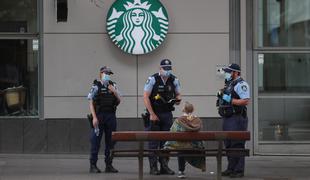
(236, 153)
(175, 150)
(179, 136)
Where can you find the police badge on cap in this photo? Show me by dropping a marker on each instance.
(166, 64)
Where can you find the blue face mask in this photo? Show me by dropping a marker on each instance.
(167, 73)
(106, 78)
(228, 76)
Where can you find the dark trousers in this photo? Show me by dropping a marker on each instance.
(181, 163)
(235, 123)
(107, 124)
(164, 124)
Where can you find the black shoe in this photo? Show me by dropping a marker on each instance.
(94, 169)
(227, 173)
(110, 169)
(154, 171)
(236, 175)
(153, 166)
(166, 170)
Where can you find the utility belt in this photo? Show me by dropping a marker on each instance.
(228, 111)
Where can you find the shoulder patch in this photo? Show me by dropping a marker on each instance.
(244, 88)
(92, 89)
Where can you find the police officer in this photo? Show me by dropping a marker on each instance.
(159, 90)
(233, 101)
(103, 98)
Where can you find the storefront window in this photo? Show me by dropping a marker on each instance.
(283, 23)
(18, 16)
(284, 97)
(19, 58)
(19, 77)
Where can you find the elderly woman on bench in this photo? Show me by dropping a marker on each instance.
(190, 123)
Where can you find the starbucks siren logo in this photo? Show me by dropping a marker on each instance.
(137, 27)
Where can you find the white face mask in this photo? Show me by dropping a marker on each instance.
(228, 76)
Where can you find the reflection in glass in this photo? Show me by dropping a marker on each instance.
(18, 78)
(283, 23)
(284, 73)
(18, 16)
(284, 119)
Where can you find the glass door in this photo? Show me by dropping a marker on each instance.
(281, 76)
(282, 102)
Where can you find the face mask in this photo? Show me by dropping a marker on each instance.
(106, 77)
(167, 73)
(227, 76)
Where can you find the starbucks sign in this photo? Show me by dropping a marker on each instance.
(137, 26)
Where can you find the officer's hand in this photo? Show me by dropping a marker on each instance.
(227, 98)
(153, 117)
(95, 122)
(219, 93)
(111, 88)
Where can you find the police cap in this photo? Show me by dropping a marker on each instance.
(106, 70)
(166, 64)
(232, 67)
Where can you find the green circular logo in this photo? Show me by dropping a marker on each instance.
(137, 26)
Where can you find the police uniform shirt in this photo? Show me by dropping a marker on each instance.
(94, 90)
(148, 87)
(243, 90)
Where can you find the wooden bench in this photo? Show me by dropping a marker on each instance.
(142, 136)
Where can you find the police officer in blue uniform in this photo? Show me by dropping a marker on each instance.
(159, 90)
(233, 100)
(103, 98)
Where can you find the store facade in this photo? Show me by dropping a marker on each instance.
(52, 50)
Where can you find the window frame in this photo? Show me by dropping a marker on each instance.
(32, 36)
(255, 44)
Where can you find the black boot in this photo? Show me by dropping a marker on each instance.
(109, 168)
(164, 169)
(94, 169)
(227, 172)
(153, 166)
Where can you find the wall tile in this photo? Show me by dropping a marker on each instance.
(35, 136)
(11, 136)
(58, 136)
(79, 136)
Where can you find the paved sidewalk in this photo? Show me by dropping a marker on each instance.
(75, 167)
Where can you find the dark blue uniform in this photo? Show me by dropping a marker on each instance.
(236, 119)
(161, 93)
(105, 107)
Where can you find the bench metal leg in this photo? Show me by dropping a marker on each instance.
(219, 160)
(141, 147)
